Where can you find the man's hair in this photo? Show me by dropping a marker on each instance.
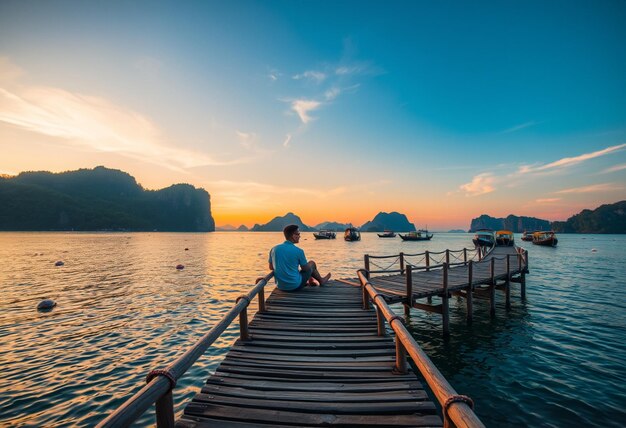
(288, 231)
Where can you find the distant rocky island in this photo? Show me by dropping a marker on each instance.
(277, 224)
(388, 221)
(382, 221)
(609, 218)
(513, 223)
(100, 199)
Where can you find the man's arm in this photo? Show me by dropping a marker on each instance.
(271, 266)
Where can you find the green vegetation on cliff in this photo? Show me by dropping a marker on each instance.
(610, 218)
(99, 199)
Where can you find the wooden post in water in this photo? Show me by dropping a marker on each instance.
(366, 260)
(409, 292)
(492, 288)
(507, 285)
(470, 294)
(523, 278)
(447, 256)
(444, 302)
(401, 263)
(165, 411)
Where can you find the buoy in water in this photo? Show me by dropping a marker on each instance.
(46, 305)
(59, 263)
(593, 250)
(186, 249)
(180, 267)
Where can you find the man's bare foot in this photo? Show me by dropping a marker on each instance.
(312, 283)
(325, 279)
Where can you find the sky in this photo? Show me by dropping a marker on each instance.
(335, 111)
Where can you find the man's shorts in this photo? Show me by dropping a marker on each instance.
(305, 275)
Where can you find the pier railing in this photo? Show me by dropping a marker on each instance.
(423, 261)
(457, 409)
(160, 383)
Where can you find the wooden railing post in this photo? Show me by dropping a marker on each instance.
(427, 260)
(262, 300)
(470, 294)
(447, 256)
(243, 324)
(380, 321)
(507, 289)
(366, 262)
(492, 288)
(409, 292)
(444, 302)
(465, 255)
(523, 279)
(401, 263)
(165, 411)
(401, 363)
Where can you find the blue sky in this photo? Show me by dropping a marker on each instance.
(332, 110)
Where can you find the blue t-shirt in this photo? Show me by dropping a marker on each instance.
(286, 258)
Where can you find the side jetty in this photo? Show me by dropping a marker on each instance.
(323, 356)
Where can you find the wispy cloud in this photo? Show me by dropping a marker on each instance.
(287, 140)
(615, 168)
(480, 185)
(520, 127)
(97, 124)
(302, 108)
(547, 200)
(247, 139)
(311, 75)
(570, 161)
(603, 187)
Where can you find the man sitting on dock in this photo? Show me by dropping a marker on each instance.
(285, 259)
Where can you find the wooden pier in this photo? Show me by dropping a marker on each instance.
(463, 273)
(322, 356)
(312, 359)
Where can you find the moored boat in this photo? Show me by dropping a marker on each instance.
(325, 234)
(420, 235)
(527, 236)
(387, 234)
(547, 239)
(484, 238)
(504, 238)
(352, 234)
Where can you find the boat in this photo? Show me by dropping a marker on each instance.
(387, 234)
(484, 238)
(352, 234)
(547, 239)
(527, 236)
(504, 238)
(325, 234)
(420, 235)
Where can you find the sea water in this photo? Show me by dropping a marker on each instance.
(123, 309)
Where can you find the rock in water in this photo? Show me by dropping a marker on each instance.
(180, 267)
(59, 263)
(46, 305)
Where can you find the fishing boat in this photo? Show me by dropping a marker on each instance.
(527, 236)
(484, 238)
(547, 239)
(504, 238)
(352, 234)
(387, 234)
(325, 234)
(420, 235)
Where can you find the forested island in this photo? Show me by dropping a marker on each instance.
(609, 218)
(100, 199)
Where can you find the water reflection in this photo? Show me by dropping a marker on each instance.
(124, 309)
